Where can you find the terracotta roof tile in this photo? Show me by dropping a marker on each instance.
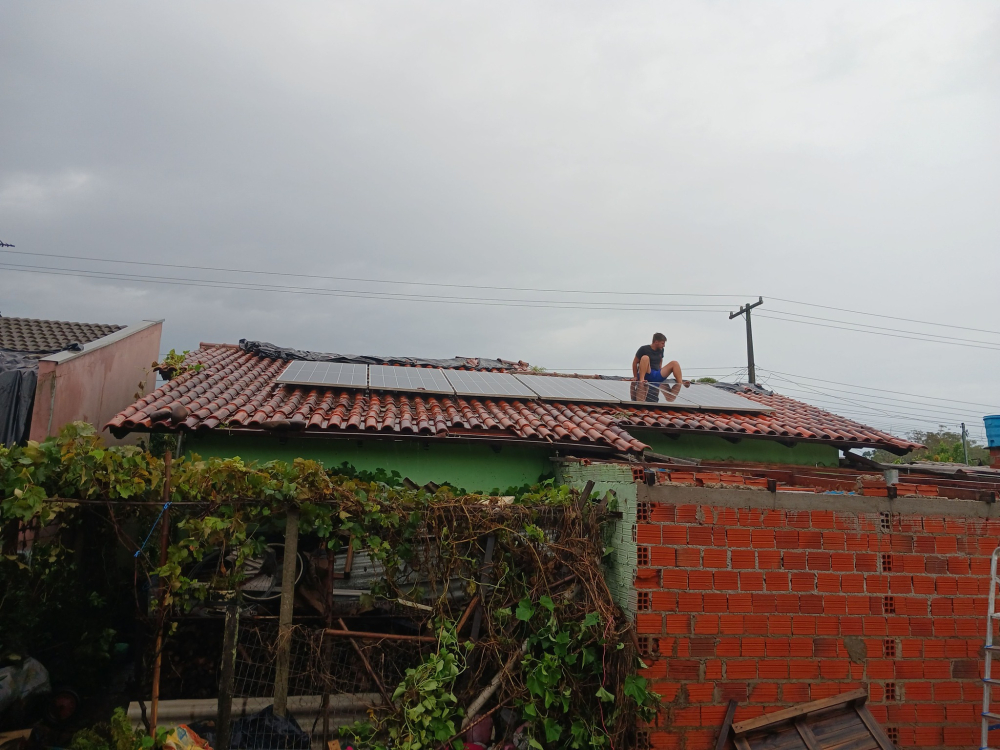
(236, 389)
(48, 336)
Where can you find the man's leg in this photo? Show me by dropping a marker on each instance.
(673, 368)
(644, 368)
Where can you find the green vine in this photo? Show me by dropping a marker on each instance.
(551, 635)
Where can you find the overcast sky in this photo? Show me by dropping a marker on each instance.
(839, 154)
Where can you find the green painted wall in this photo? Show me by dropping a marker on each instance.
(473, 466)
(622, 562)
(713, 448)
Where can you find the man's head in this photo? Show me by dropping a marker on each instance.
(659, 341)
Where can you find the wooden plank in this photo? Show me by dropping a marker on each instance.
(795, 711)
(823, 723)
(845, 723)
(742, 744)
(873, 726)
(783, 738)
(864, 742)
(726, 724)
(845, 734)
(806, 734)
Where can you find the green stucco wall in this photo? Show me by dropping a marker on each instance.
(622, 561)
(713, 448)
(472, 466)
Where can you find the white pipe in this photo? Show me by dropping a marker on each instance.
(344, 709)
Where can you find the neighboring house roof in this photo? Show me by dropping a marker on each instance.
(236, 389)
(42, 337)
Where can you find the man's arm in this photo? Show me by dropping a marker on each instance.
(635, 368)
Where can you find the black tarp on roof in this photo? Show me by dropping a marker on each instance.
(18, 377)
(270, 351)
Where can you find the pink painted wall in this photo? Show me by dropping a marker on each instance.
(94, 385)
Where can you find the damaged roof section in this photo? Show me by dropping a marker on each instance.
(237, 390)
(270, 351)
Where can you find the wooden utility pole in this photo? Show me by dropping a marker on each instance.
(745, 310)
(284, 655)
(161, 595)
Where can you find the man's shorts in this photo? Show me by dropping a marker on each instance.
(654, 376)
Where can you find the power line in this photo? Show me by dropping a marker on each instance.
(889, 409)
(916, 412)
(885, 390)
(367, 280)
(881, 315)
(547, 290)
(878, 333)
(357, 294)
(883, 328)
(488, 301)
(881, 401)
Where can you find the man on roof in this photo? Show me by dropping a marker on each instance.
(648, 363)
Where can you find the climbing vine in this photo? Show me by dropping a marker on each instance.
(553, 650)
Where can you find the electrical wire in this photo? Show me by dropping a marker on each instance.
(356, 294)
(884, 390)
(916, 412)
(787, 316)
(886, 409)
(548, 290)
(368, 280)
(878, 333)
(883, 328)
(882, 315)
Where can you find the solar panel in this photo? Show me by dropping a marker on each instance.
(325, 373)
(565, 389)
(409, 379)
(710, 397)
(632, 392)
(468, 383)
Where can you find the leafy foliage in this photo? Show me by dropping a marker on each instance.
(117, 734)
(943, 445)
(575, 684)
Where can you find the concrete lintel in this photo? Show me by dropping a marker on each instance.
(748, 498)
(65, 356)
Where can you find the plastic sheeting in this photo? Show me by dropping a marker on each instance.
(18, 377)
(270, 351)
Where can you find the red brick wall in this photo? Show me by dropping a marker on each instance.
(774, 607)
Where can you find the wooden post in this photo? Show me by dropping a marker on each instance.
(228, 673)
(161, 595)
(283, 660)
(327, 651)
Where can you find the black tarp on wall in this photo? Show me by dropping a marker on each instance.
(18, 377)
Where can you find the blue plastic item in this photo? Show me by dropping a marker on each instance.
(992, 423)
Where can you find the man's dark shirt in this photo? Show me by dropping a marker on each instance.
(655, 356)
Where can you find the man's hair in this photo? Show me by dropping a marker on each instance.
(658, 337)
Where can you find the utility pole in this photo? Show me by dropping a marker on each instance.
(965, 445)
(745, 310)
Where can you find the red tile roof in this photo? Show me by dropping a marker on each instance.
(43, 337)
(237, 390)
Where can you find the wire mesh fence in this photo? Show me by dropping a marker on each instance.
(333, 681)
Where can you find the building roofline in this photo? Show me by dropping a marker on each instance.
(122, 333)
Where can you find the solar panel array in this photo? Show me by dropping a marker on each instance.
(505, 385)
(409, 379)
(498, 384)
(566, 389)
(325, 373)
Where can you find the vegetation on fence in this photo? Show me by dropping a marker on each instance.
(558, 649)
